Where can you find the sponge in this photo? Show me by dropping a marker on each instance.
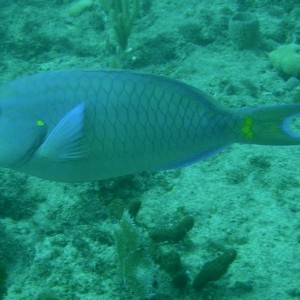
(286, 59)
(244, 30)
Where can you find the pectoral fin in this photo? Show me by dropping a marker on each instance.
(66, 141)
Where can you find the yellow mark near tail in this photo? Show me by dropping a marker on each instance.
(247, 127)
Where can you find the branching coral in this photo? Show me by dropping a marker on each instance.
(123, 14)
(135, 266)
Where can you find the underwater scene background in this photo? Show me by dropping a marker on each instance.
(224, 228)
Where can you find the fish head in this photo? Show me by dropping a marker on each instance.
(20, 135)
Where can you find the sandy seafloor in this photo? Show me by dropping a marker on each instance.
(57, 239)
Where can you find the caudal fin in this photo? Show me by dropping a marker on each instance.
(270, 125)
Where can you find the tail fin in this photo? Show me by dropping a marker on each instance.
(270, 125)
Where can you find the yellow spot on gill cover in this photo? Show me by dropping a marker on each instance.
(40, 123)
(247, 127)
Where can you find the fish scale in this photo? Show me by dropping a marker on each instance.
(82, 125)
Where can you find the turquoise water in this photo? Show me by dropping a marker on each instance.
(73, 241)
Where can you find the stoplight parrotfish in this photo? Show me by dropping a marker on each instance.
(81, 125)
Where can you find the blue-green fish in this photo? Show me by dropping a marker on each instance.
(79, 125)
